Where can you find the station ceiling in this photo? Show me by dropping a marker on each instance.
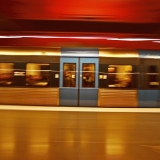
(80, 23)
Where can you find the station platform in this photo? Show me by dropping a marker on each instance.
(79, 133)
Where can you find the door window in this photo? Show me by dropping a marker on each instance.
(88, 75)
(69, 75)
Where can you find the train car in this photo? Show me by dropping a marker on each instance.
(88, 77)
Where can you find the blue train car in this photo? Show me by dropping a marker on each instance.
(89, 77)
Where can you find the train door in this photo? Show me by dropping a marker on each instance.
(78, 81)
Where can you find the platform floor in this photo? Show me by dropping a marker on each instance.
(66, 133)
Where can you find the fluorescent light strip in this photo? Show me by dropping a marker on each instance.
(81, 37)
(9, 36)
(54, 53)
(156, 41)
(56, 37)
(132, 39)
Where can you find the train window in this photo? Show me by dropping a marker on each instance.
(69, 75)
(37, 74)
(120, 76)
(152, 77)
(88, 71)
(6, 74)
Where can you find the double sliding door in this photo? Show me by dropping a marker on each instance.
(78, 81)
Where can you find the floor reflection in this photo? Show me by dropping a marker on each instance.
(31, 135)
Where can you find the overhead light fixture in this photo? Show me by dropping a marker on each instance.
(81, 37)
(132, 39)
(9, 36)
(156, 41)
(56, 37)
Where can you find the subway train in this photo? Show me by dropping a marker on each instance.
(85, 77)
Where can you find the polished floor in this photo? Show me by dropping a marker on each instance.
(79, 135)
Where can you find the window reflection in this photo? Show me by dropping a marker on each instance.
(120, 76)
(88, 74)
(153, 77)
(6, 73)
(69, 75)
(37, 74)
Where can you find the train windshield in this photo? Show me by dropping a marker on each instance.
(120, 76)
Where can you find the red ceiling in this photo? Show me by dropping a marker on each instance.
(108, 10)
(119, 11)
